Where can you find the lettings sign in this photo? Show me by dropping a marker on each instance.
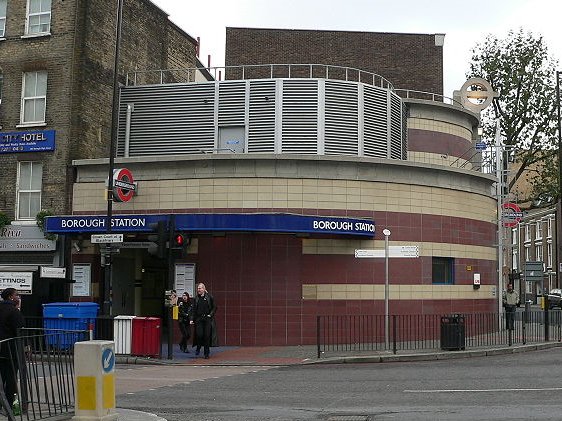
(22, 281)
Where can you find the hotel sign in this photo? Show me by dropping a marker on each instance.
(33, 141)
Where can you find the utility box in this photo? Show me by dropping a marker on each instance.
(453, 332)
(146, 337)
(65, 323)
(123, 334)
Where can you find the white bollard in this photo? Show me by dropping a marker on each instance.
(94, 381)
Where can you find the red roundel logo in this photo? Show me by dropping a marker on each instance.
(124, 185)
(511, 214)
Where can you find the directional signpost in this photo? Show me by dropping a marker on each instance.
(393, 251)
(106, 238)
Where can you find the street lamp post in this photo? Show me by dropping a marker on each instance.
(386, 233)
(559, 210)
(112, 147)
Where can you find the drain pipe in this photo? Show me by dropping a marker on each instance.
(130, 109)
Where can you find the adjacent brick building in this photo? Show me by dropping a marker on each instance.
(409, 61)
(56, 61)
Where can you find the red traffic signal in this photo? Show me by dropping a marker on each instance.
(179, 240)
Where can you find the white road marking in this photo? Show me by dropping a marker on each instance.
(543, 389)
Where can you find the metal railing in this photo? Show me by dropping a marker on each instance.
(358, 333)
(427, 96)
(258, 71)
(37, 373)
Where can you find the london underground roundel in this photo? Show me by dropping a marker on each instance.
(124, 185)
(511, 214)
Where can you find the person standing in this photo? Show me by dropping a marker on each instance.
(185, 308)
(510, 302)
(203, 315)
(11, 321)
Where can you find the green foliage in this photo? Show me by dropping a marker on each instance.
(4, 220)
(520, 70)
(40, 219)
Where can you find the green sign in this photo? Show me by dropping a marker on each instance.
(534, 271)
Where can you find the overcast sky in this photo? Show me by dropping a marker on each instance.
(463, 23)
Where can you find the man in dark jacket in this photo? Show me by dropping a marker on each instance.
(11, 321)
(203, 313)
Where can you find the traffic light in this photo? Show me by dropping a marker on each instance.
(180, 242)
(159, 239)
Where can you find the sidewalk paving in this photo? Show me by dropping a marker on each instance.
(307, 354)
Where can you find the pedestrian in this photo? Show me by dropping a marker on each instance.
(510, 303)
(203, 316)
(185, 308)
(11, 321)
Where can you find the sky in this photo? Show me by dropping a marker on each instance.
(464, 23)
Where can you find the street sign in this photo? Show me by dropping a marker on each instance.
(50, 272)
(106, 238)
(534, 271)
(393, 251)
(480, 146)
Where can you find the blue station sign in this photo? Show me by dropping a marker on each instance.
(210, 222)
(33, 141)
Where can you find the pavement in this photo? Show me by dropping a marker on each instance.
(299, 355)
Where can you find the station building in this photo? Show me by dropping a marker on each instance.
(283, 178)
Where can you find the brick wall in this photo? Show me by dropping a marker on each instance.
(408, 61)
(79, 57)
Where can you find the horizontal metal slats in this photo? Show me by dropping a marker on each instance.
(261, 133)
(341, 119)
(300, 117)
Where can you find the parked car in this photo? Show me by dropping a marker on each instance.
(555, 298)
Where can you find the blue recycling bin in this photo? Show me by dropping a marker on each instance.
(62, 321)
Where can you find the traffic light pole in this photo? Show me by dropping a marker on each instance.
(171, 275)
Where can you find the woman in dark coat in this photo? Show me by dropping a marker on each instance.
(185, 308)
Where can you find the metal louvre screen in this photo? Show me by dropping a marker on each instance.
(168, 119)
(232, 104)
(375, 109)
(261, 133)
(300, 117)
(341, 131)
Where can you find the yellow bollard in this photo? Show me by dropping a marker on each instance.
(94, 381)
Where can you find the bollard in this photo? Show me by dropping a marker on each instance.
(94, 381)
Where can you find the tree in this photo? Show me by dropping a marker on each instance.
(522, 73)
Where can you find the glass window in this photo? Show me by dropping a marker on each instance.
(3, 18)
(38, 17)
(30, 176)
(538, 252)
(34, 97)
(549, 227)
(1, 83)
(442, 270)
(527, 232)
(538, 230)
(549, 255)
(527, 253)
(514, 232)
(514, 258)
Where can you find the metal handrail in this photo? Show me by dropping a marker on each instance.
(429, 96)
(289, 71)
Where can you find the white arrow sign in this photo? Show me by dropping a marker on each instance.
(393, 251)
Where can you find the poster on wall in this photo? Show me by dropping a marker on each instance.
(184, 281)
(81, 274)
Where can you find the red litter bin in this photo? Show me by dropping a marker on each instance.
(146, 337)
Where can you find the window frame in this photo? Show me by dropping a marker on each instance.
(28, 190)
(1, 84)
(29, 15)
(538, 230)
(449, 270)
(36, 97)
(3, 19)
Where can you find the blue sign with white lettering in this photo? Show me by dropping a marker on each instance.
(35, 141)
(108, 360)
(209, 222)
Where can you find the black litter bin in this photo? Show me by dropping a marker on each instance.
(452, 332)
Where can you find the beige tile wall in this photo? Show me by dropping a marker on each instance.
(280, 193)
(396, 292)
(439, 159)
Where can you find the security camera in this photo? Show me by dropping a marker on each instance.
(77, 247)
